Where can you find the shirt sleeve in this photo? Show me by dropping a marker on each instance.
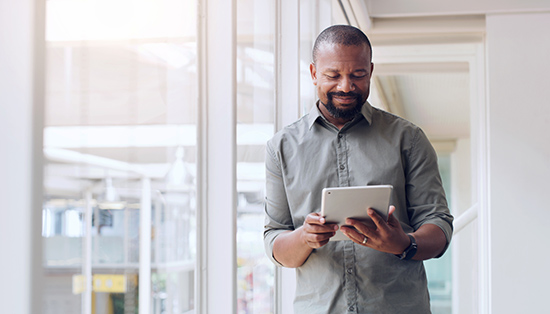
(278, 218)
(426, 201)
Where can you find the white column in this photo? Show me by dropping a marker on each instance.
(519, 154)
(217, 151)
(87, 255)
(287, 96)
(287, 62)
(145, 248)
(21, 123)
(479, 273)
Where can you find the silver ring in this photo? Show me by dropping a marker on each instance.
(365, 240)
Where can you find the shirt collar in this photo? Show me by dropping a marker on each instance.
(315, 113)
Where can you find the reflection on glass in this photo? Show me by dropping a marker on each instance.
(315, 15)
(174, 250)
(255, 118)
(119, 139)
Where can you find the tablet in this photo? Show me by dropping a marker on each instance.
(340, 203)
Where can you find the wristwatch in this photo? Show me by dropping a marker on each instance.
(410, 251)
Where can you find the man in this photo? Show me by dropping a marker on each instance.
(344, 141)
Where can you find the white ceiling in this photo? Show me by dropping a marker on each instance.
(407, 8)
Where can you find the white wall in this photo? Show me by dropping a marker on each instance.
(20, 168)
(518, 51)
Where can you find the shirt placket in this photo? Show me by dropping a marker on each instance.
(350, 283)
(342, 160)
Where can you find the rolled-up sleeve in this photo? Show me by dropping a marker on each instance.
(278, 218)
(426, 201)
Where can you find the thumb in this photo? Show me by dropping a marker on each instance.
(391, 218)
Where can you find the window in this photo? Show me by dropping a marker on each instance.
(120, 145)
(255, 126)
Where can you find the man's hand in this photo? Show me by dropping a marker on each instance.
(292, 248)
(315, 232)
(389, 237)
(384, 236)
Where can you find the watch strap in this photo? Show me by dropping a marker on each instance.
(410, 251)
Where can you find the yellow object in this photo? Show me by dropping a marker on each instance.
(109, 283)
(79, 284)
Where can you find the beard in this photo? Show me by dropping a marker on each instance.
(348, 113)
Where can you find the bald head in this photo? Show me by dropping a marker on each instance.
(342, 35)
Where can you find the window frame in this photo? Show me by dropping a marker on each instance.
(216, 177)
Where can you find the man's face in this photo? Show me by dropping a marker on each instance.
(342, 77)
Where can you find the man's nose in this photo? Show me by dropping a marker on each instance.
(346, 85)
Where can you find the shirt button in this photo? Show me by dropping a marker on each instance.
(340, 136)
(350, 271)
(342, 167)
(351, 309)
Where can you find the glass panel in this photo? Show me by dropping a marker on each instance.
(255, 125)
(121, 90)
(174, 250)
(439, 271)
(62, 232)
(315, 15)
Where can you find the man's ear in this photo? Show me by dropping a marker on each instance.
(371, 68)
(313, 72)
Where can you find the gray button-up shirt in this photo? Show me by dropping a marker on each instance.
(375, 148)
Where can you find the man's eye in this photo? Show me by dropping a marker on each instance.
(331, 76)
(358, 76)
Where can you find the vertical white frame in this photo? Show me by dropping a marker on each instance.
(216, 213)
(86, 307)
(144, 294)
(287, 62)
(22, 40)
(288, 105)
(287, 110)
(484, 209)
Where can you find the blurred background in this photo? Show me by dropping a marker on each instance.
(115, 163)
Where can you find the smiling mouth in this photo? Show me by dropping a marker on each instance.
(344, 100)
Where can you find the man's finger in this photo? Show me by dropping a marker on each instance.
(315, 219)
(317, 240)
(374, 215)
(392, 221)
(316, 228)
(377, 219)
(354, 234)
(316, 224)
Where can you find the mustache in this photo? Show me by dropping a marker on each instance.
(342, 94)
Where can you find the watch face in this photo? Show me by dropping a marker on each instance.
(411, 250)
